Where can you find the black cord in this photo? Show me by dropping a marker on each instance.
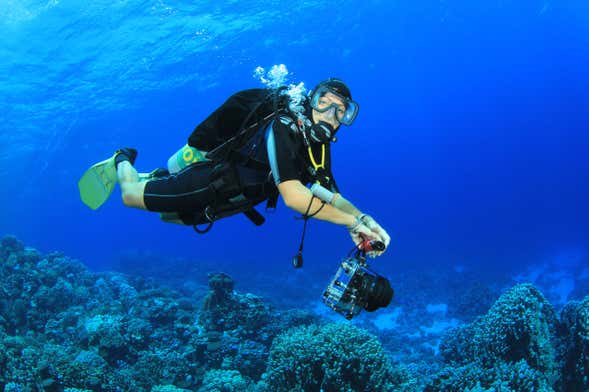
(306, 218)
(306, 215)
(316, 212)
(298, 259)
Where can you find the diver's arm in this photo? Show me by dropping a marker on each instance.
(297, 196)
(343, 204)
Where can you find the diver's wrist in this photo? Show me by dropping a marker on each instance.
(366, 219)
(354, 223)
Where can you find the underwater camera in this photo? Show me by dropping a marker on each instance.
(355, 287)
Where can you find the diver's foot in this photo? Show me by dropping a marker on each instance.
(125, 154)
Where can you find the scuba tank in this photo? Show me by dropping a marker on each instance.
(179, 161)
(184, 157)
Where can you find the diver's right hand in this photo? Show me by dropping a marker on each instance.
(378, 230)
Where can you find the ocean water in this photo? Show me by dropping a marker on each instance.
(470, 147)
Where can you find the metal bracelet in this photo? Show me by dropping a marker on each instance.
(365, 218)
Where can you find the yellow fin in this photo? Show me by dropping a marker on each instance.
(98, 183)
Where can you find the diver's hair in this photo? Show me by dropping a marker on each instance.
(336, 85)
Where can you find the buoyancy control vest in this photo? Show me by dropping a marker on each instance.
(235, 178)
(244, 110)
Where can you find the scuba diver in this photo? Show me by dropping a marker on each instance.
(261, 143)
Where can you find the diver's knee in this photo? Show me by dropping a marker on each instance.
(132, 196)
(129, 199)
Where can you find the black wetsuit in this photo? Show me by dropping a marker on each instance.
(288, 158)
(277, 147)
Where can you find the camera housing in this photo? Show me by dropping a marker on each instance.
(355, 287)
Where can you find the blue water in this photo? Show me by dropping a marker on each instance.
(470, 147)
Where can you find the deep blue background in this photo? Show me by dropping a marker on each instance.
(470, 148)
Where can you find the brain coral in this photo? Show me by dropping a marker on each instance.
(521, 325)
(331, 357)
(575, 317)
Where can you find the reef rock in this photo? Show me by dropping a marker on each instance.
(333, 357)
(512, 345)
(575, 323)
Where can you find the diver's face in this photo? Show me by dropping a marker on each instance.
(331, 107)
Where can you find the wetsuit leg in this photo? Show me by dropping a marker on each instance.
(186, 191)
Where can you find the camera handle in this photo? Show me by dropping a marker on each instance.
(366, 246)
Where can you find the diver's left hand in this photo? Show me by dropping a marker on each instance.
(380, 233)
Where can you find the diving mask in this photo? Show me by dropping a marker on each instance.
(344, 108)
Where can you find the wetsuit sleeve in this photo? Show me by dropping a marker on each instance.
(282, 147)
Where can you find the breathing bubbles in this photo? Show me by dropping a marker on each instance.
(277, 77)
(297, 94)
(274, 78)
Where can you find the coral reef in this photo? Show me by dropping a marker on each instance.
(89, 331)
(503, 376)
(513, 344)
(330, 357)
(575, 329)
(64, 328)
(223, 310)
(216, 380)
(520, 325)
